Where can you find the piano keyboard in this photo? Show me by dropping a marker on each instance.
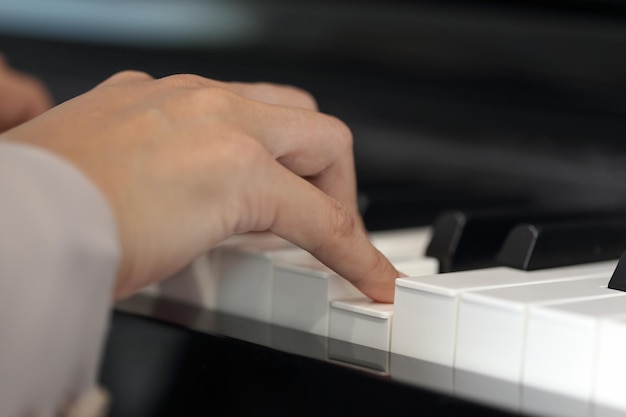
(559, 331)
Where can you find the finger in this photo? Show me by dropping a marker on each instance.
(283, 95)
(269, 93)
(126, 78)
(310, 144)
(339, 181)
(333, 234)
(314, 221)
(23, 97)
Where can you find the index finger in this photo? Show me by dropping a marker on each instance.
(313, 145)
(323, 226)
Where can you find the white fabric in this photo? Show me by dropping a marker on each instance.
(58, 258)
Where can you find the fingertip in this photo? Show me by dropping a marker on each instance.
(381, 286)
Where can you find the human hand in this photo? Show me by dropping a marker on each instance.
(185, 162)
(22, 97)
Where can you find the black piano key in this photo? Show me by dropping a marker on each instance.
(549, 245)
(618, 279)
(465, 240)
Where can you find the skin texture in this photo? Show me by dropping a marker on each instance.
(22, 97)
(185, 162)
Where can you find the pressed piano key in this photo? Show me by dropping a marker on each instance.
(248, 259)
(246, 273)
(549, 245)
(463, 240)
(303, 292)
(492, 323)
(425, 308)
(561, 350)
(361, 321)
(368, 323)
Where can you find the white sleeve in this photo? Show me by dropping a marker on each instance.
(59, 254)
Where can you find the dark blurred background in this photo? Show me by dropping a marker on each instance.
(453, 104)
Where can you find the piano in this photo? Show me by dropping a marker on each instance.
(455, 105)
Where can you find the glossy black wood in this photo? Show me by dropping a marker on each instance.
(157, 366)
(465, 239)
(618, 279)
(549, 245)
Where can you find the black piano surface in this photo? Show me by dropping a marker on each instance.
(165, 358)
(453, 104)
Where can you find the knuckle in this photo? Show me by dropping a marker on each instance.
(241, 149)
(185, 80)
(130, 75)
(215, 100)
(343, 133)
(301, 97)
(306, 99)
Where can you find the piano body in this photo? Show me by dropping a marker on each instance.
(455, 105)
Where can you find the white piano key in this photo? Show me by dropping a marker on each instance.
(196, 284)
(368, 323)
(246, 278)
(302, 292)
(151, 290)
(247, 274)
(402, 244)
(608, 395)
(417, 267)
(492, 323)
(561, 345)
(304, 289)
(361, 321)
(425, 310)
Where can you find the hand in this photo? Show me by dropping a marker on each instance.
(22, 97)
(185, 162)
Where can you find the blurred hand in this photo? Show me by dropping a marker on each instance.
(22, 97)
(185, 162)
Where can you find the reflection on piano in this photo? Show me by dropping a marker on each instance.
(454, 105)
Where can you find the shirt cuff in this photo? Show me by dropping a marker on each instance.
(59, 254)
